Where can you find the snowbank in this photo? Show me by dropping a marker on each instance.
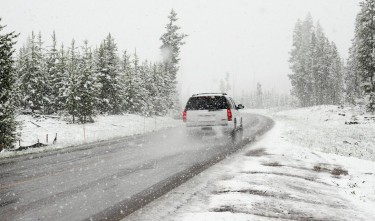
(344, 131)
(104, 128)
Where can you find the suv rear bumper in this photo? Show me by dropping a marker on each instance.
(204, 124)
(225, 125)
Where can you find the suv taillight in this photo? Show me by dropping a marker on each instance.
(184, 116)
(229, 114)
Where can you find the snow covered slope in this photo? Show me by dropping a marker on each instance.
(331, 129)
(104, 128)
(280, 177)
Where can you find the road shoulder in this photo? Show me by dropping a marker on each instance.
(271, 179)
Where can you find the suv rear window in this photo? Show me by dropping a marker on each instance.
(207, 103)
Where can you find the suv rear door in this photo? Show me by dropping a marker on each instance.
(207, 111)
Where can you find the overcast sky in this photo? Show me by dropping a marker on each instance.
(249, 39)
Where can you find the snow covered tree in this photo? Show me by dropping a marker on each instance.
(161, 86)
(146, 89)
(352, 77)
(60, 81)
(127, 81)
(134, 102)
(336, 81)
(172, 40)
(319, 66)
(86, 86)
(33, 76)
(298, 60)
(72, 96)
(259, 96)
(222, 86)
(363, 52)
(227, 82)
(45, 87)
(53, 76)
(317, 73)
(20, 68)
(225, 86)
(110, 92)
(35, 79)
(7, 83)
(157, 92)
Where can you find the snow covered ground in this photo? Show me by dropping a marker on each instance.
(283, 176)
(344, 131)
(105, 127)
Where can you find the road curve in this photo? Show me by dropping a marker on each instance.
(109, 180)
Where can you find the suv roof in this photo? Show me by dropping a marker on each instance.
(208, 94)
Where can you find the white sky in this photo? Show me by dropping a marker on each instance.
(249, 39)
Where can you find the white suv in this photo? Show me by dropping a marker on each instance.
(209, 110)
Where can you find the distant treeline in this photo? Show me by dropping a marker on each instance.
(265, 99)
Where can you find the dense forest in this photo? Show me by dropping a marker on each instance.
(320, 76)
(317, 69)
(81, 81)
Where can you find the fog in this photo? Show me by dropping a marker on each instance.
(250, 40)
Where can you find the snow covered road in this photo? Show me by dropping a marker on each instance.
(273, 179)
(110, 179)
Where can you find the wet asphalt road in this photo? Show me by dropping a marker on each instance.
(109, 180)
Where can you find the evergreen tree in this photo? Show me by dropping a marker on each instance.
(352, 75)
(320, 58)
(156, 92)
(259, 96)
(161, 106)
(136, 99)
(363, 61)
(53, 76)
(336, 82)
(222, 86)
(45, 87)
(86, 86)
(60, 82)
(110, 96)
(72, 96)
(33, 79)
(306, 57)
(298, 64)
(129, 89)
(317, 73)
(7, 83)
(20, 68)
(172, 40)
(146, 89)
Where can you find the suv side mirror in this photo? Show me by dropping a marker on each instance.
(240, 106)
